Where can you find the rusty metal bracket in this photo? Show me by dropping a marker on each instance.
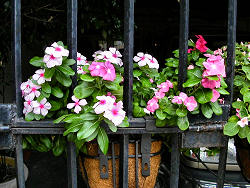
(103, 165)
(145, 151)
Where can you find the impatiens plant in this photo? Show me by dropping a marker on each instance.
(238, 123)
(156, 92)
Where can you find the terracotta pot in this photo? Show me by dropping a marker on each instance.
(92, 167)
(243, 156)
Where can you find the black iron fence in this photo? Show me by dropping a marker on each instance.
(211, 133)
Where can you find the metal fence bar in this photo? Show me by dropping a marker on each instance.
(123, 168)
(72, 44)
(16, 52)
(231, 39)
(19, 162)
(183, 42)
(175, 161)
(128, 55)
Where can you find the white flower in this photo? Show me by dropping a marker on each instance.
(39, 76)
(153, 63)
(141, 59)
(34, 91)
(26, 87)
(97, 53)
(77, 104)
(146, 110)
(57, 50)
(81, 60)
(243, 122)
(41, 107)
(52, 61)
(113, 56)
(116, 114)
(105, 103)
(28, 105)
(80, 70)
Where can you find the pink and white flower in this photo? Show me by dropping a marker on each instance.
(39, 76)
(81, 60)
(27, 105)
(190, 103)
(115, 114)
(180, 99)
(97, 69)
(96, 54)
(153, 63)
(164, 86)
(159, 94)
(243, 122)
(26, 87)
(57, 50)
(152, 104)
(141, 59)
(41, 107)
(77, 104)
(52, 61)
(113, 55)
(80, 70)
(190, 67)
(104, 103)
(34, 91)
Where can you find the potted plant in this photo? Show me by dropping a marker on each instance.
(238, 123)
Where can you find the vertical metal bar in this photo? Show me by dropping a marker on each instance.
(72, 34)
(72, 165)
(123, 168)
(222, 164)
(183, 42)
(175, 161)
(231, 39)
(16, 51)
(72, 44)
(136, 164)
(128, 55)
(113, 164)
(19, 162)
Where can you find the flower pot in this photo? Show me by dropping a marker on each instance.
(12, 183)
(243, 156)
(91, 166)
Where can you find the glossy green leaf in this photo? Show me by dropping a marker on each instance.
(87, 78)
(216, 108)
(206, 110)
(231, 129)
(63, 79)
(87, 129)
(57, 92)
(37, 61)
(102, 140)
(84, 90)
(49, 72)
(183, 123)
(203, 95)
(65, 69)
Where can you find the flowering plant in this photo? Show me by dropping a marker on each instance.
(238, 122)
(157, 93)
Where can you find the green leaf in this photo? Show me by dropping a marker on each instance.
(69, 62)
(160, 114)
(233, 119)
(138, 111)
(63, 79)
(243, 132)
(124, 123)
(92, 136)
(243, 112)
(203, 95)
(87, 129)
(55, 105)
(103, 141)
(200, 62)
(194, 73)
(246, 97)
(181, 111)
(37, 61)
(223, 83)
(146, 82)
(59, 146)
(46, 141)
(46, 87)
(248, 137)
(49, 72)
(57, 92)
(183, 123)
(111, 125)
(58, 120)
(206, 110)
(238, 80)
(88, 116)
(212, 77)
(84, 90)
(231, 129)
(170, 109)
(216, 108)
(65, 69)
(192, 82)
(112, 85)
(137, 73)
(30, 116)
(160, 123)
(246, 69)
(74, 127)
(87, 78)
(222, 91)
(238, 104)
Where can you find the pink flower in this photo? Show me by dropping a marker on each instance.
(81, 60)
(52, 61)
(152, 63)
(151, 80)
(110, 94)
(190, 103)
(218, 52)
(28, 105)
(115, 114)
(159, 94)
(189, 50)
(216, 95)
(214, 66)
(190, 67)
(39, 76)
(243, 122)
(105, 103)
(238, 113)
(109, 72)
(164, 86)
(77, 104)
(34, 91)
(200, 44)
(211, 84)
(41, 107)
(180, 99)
(57, 50)
(97, 69)
(141, 59)
(152, 104)
(26, 87)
